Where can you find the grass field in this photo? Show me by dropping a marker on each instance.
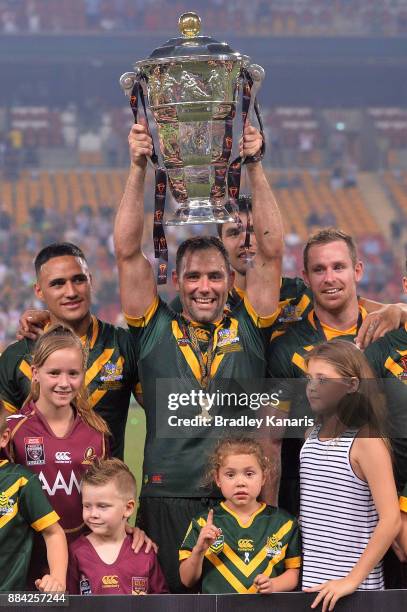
(134, 442)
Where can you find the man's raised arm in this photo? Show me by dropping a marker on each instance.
(263, 279)
(137, 284)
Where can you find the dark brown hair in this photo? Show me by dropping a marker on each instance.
(234, 445)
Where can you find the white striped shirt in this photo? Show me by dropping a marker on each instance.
(337, 513)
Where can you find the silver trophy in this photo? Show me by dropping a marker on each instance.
(192, 87)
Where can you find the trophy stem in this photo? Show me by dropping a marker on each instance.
(200, 211)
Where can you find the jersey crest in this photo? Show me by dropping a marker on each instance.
(403, 364)
(6, 504)
(273, 547)
(218, 544)
(34, 451)
(139, 585)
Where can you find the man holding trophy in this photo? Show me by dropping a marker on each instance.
(191, 348)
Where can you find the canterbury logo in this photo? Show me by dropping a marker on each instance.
(110, 581)
(63, 456)
(245, 544)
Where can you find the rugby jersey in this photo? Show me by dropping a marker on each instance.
(337, 512)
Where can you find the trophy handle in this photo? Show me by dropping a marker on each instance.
(257, 74)
(127, 81)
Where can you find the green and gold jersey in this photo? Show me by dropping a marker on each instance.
(170, 370)
(295, 300)
(110, 378)
(388, 358)
(269, 544)
(288, 349)
(24, 509)
(286, 361)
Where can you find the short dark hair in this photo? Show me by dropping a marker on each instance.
(200, 243)
(57, 249)
(326, 236)
(244, 205)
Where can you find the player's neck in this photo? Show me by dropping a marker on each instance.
(79, 327)
(341, 319)
(240, 281)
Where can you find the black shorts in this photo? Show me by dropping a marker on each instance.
(166, 520)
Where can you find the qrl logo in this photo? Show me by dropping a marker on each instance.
(63, 457)
(245, 544)
(110, 581)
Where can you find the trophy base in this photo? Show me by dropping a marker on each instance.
(200, 212)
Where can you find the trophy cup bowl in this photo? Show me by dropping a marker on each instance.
(192, 85)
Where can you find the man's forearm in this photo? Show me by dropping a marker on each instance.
(267, 222)
(129, 222)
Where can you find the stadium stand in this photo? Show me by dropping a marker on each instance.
(299, 18)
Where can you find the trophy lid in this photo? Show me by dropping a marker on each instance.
(191, 46)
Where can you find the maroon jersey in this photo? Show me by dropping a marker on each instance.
(59, 462)
(131, 574)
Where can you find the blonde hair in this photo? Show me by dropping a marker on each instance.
(234, 445)
(56, 338)
(364, 407)
(103, 471)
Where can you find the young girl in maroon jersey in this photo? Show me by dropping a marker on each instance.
(57, 435)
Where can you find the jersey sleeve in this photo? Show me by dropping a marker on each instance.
(34, 505)
(72, 583)
(11, 393)
(157, 582)
(140, 327)
(128, 350)
(190, 539)
(403, 499)
(293, 553)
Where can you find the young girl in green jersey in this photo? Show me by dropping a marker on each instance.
(242, 545)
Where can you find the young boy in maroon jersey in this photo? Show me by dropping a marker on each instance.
(103, 562)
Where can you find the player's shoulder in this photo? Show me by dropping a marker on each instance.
(392, 341)
(147, 557)
(279, 514)
(17, 351)
(15, 421)
(18, 472)
(78, 544)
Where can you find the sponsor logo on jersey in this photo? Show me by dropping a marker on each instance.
(156, 479)
(89, 456)
(244, 544)
(109, 582)
(6, 504)
(228, 341)
(84, 586)
(139, 585)
(403, 364)
(273, 547)
(111, 376)
(63, 457)
(60, 484)
(290, 314)
(34, 451)
(217, 546)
